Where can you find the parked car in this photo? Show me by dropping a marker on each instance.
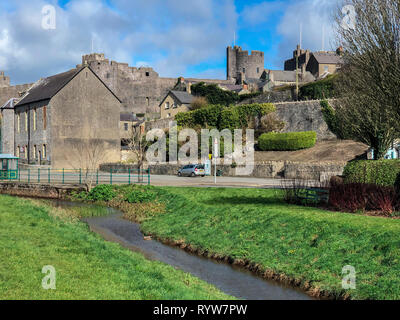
(192, 170)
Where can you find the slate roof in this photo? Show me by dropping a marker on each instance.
(7, 156)
(183, 97)
(47, 88)
(128, 117)
(290, 76)
(328, 58)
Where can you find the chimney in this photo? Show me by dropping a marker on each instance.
(189, 87)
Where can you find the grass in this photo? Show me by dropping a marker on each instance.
(33, 235)
(309, 245)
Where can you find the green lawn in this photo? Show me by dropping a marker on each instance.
(33, 236)
(306, 244)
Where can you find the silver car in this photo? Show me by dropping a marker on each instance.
(192, 170)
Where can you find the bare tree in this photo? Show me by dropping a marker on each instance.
(137, 144)
(87, 155)
(369, 104)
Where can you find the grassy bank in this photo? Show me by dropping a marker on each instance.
(308, 245)
(33, 235)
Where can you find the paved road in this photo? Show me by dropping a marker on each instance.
(245, 182)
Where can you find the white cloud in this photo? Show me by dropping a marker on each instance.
(260, 13)
(169, 35)
(316, 18)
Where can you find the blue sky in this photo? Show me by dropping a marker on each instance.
(175, 37)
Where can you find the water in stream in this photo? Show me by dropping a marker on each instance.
(229, 279)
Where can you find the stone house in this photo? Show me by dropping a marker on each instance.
(175, 102)
(64, 118)
(128, 121)
(277, 78)
(319, 64)
(7, 127)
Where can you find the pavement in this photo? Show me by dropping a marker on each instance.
(232, 182)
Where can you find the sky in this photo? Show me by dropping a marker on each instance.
(176, 37)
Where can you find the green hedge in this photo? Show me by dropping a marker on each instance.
(221, 117)
(287, 141)
(322, 89)
(379, 172)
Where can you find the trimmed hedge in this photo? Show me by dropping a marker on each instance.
(379, 172)
(290, 141)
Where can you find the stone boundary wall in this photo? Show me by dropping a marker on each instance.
(158, 124)
(39, 190)
(319, 171)
(297, 115)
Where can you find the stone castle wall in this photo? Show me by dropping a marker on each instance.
(140, 89)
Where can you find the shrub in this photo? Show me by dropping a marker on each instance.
(379, 172)
(287, 141)
(198, 103)
(322, 89)
(140, 196)
(102, 193)
(214, 94)
(221, 117)
(355, 197)
(334, 124)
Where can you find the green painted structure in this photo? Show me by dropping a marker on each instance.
(8, 167)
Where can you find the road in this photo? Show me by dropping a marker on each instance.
(234, 182)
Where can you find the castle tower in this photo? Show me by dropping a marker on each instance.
(4, 80)
(240, 62)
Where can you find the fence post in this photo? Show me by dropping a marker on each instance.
(148, 176)
(80, 176)
(49, 176)
(38, 170)
(111, 176)
(129, 171)
(63, 176)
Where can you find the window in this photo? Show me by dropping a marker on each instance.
(35, 152)
(26, 152)
(244, 70)
(147, 74)
(166, 105)
(44, 118)
(326, 68)
(148, 101)
(17, 153)
(34, 119)
(168, 115)
(174, 106)
(126, 126)
(44, 151)
(258, 70)
(18, 123)
(26, 120)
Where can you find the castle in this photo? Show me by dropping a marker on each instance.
(242, 66)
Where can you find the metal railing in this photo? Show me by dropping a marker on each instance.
(77, 176)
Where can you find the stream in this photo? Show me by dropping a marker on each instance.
(232, 280)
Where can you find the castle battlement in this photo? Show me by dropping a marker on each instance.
(240, 62)
(4, 80)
